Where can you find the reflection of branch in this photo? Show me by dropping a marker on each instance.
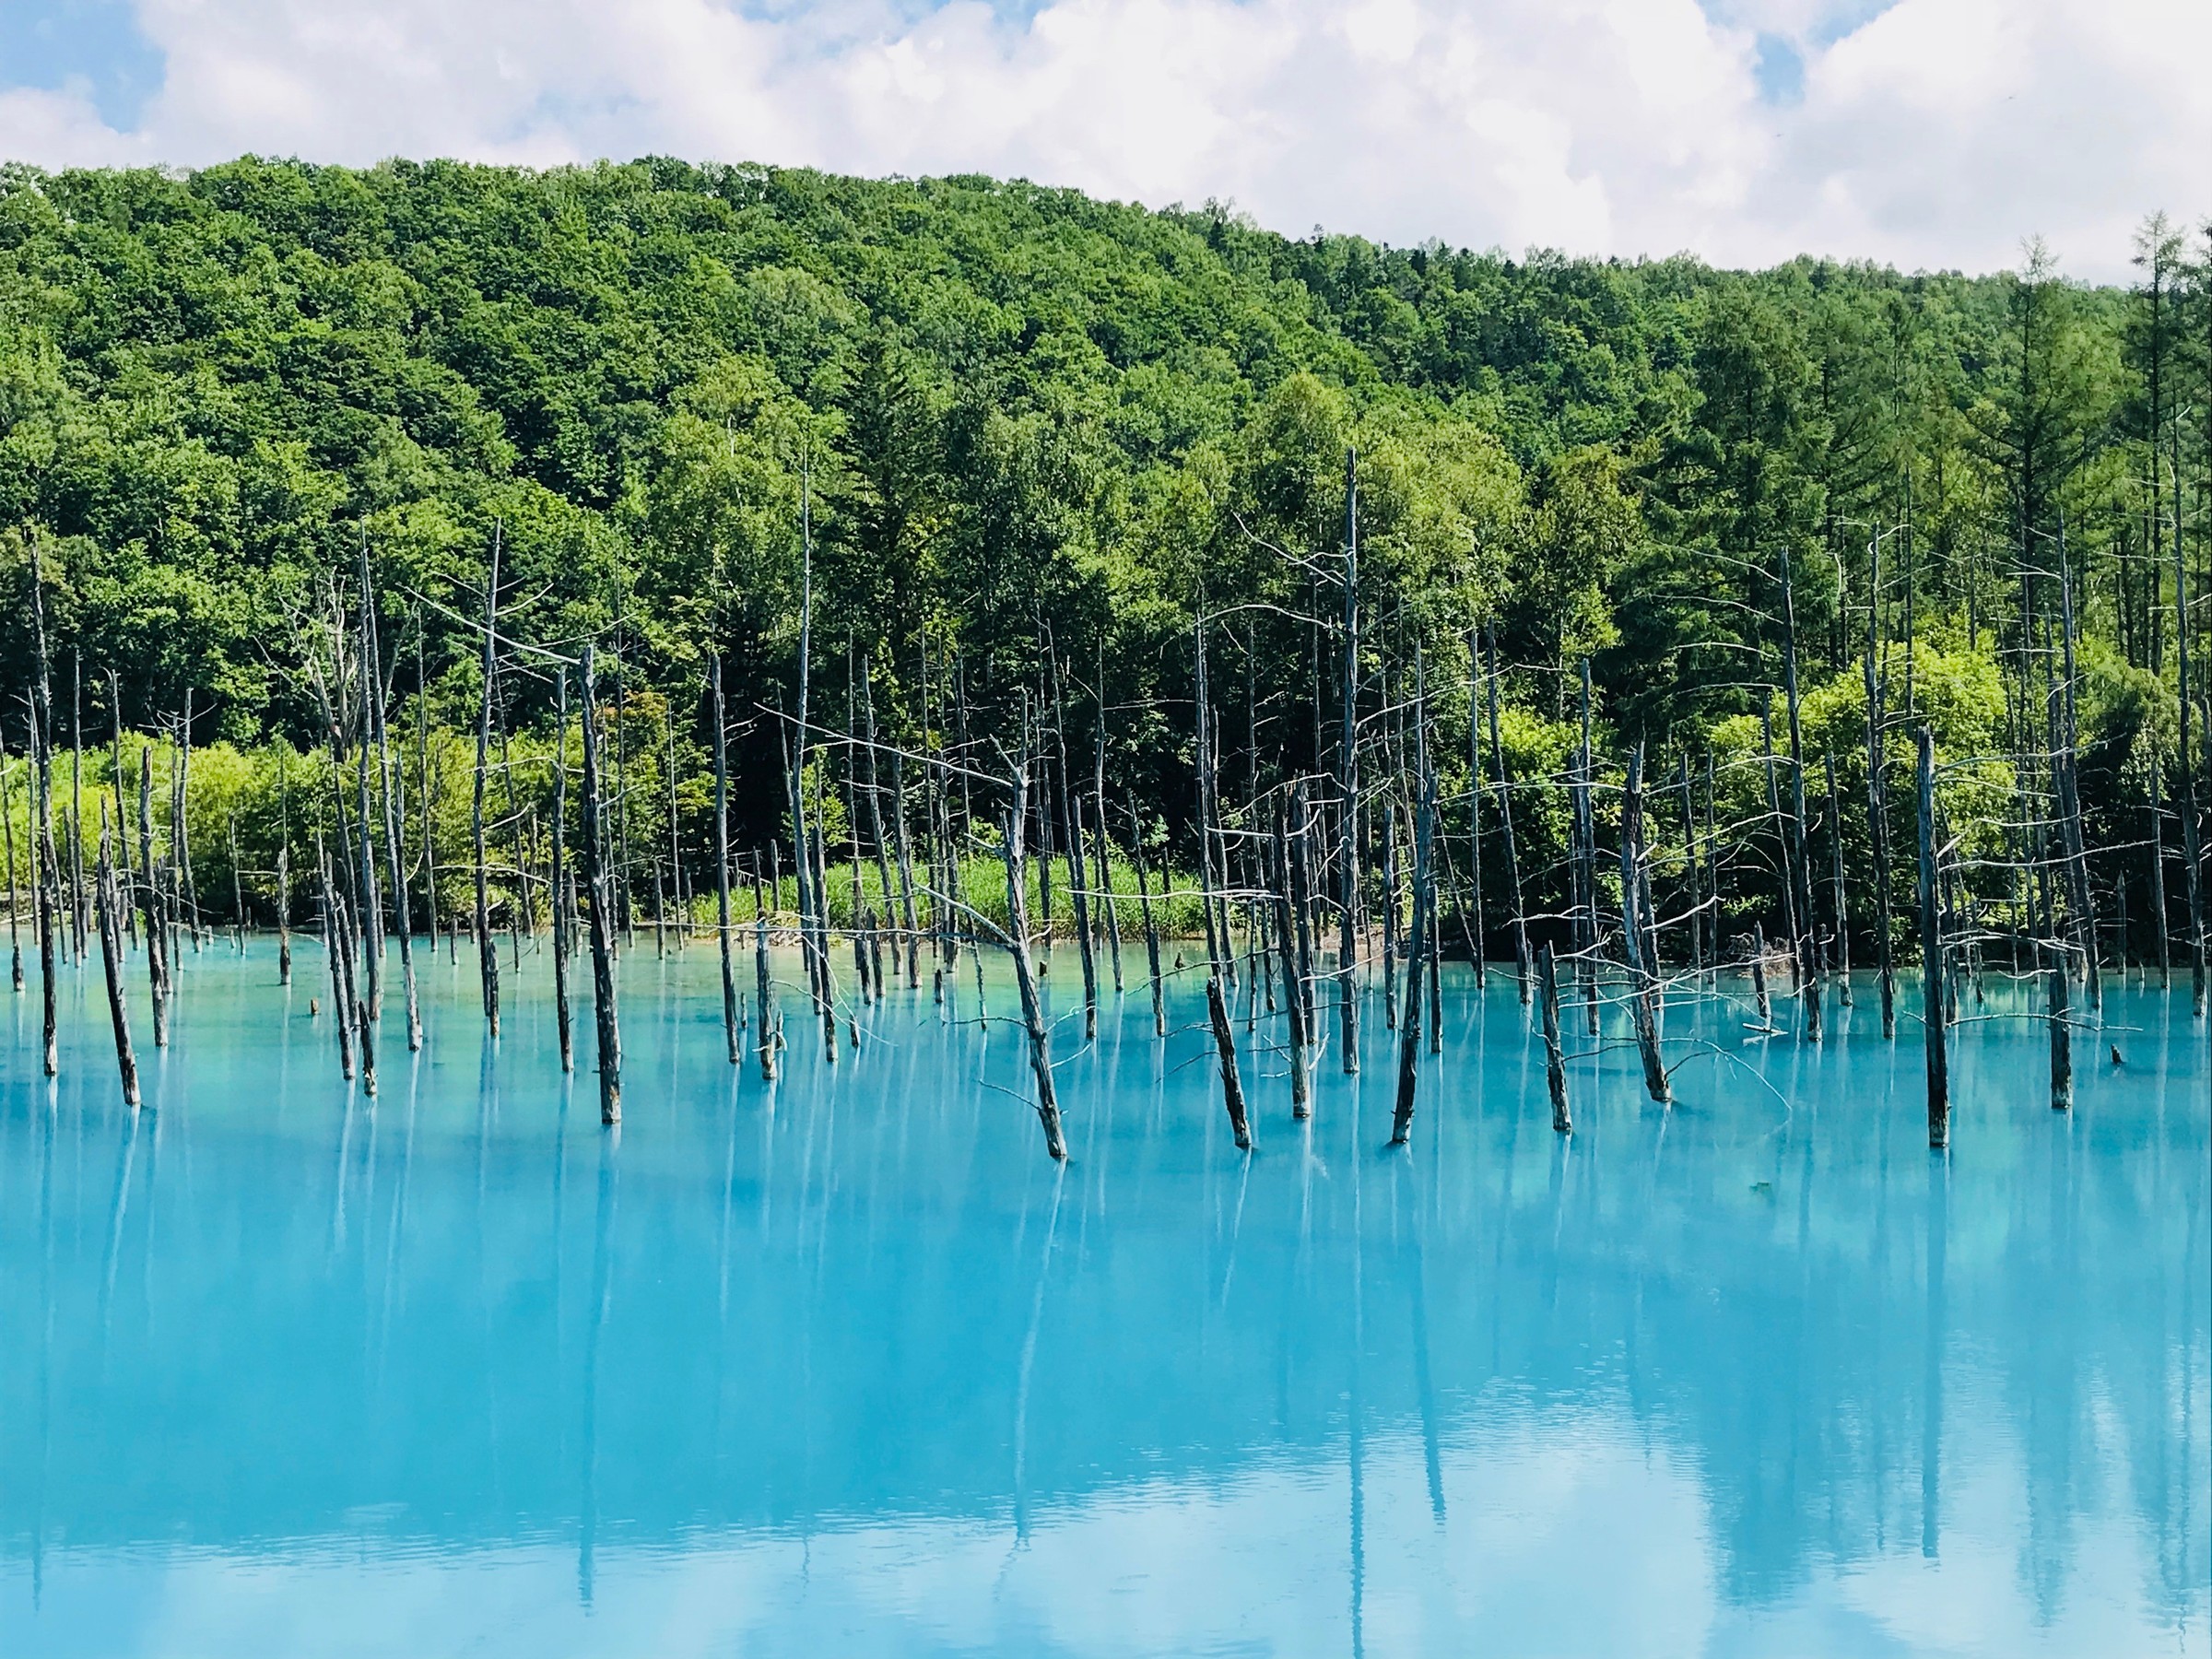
(1703, 1050)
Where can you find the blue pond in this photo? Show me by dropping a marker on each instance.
(845, 1366)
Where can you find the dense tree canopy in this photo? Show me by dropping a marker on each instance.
(1023, 426)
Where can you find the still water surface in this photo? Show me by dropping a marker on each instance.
(846, 1366)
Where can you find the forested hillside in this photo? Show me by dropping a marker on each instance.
(1033, 436)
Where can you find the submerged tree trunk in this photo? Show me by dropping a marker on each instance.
(49, 871)
(1934, 1011)
(1294, 989)
(402, 923)
(2056, 979)
(557, 877)
(487, 956)
(1555, 1066)
(14, 929)
(1018, 946)
(110, 905)
(1347, 781)
(1417, 944)
(1877, 823)
(1505, 825)
(1640, 972)
(722, 865)
(150, 903)
(595, 880)
(1841, 905)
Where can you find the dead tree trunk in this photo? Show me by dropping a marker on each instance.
(2185, 770)
(284, 864)
(487, 956)
(150, 903)
(1640, 973)
(48, 872)
(1417, 944)
(556, 873)
(1877, 822)
(603, 943)
(1071, 815)
(1805, 942)
(1841, 904)
(2155, 810)
(334, 950)
(1348, 782)
(1555, 1065)
(1934, 1010)
(766, 1046)
(1144, 903)
(1505, 824)
(388, 777)
(79, 911)
(1585, 886)
(1108, 919)
(14, 929)
(2056, 982)
(1018, 946)
(1294, 987)
(722, 862)
(109, 906)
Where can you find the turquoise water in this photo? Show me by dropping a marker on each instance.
(847, 1367)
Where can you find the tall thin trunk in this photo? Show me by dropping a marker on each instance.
(1640, 973)
(1475, 934)
(1018, 946)
(126, 879)
(80, 909)
(1877, 827)
(1934, 1011)
(595, 881)
(722, 862)
(1841, 904)
(487, 956)
(150, 903)
(1555, 1066)
(48, 873)
(2185, 772)
(2153, 808)
(1347, 781)
(1587, 927)
(110, 904)
(1071, 817)
(1294, 991)
(557, 874)
(188, 889)
(371, 905)
(1104, 842)
(1505, 823)
(766, 1044)
(1424, 911)
(1805, 942)
(2057, 980)
(14, 928)
(1144, 903)
(284, 869)
(335, 955)
(394, 816)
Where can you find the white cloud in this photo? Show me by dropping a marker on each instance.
(1936, 132)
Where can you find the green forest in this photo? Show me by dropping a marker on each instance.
(1007, 454)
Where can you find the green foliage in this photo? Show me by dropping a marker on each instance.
(1015, 426)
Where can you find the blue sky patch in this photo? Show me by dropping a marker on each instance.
(1780, 71)
(51, 44)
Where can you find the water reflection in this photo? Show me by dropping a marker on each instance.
(846, 1365)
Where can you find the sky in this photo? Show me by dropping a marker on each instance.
(1925, 134)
